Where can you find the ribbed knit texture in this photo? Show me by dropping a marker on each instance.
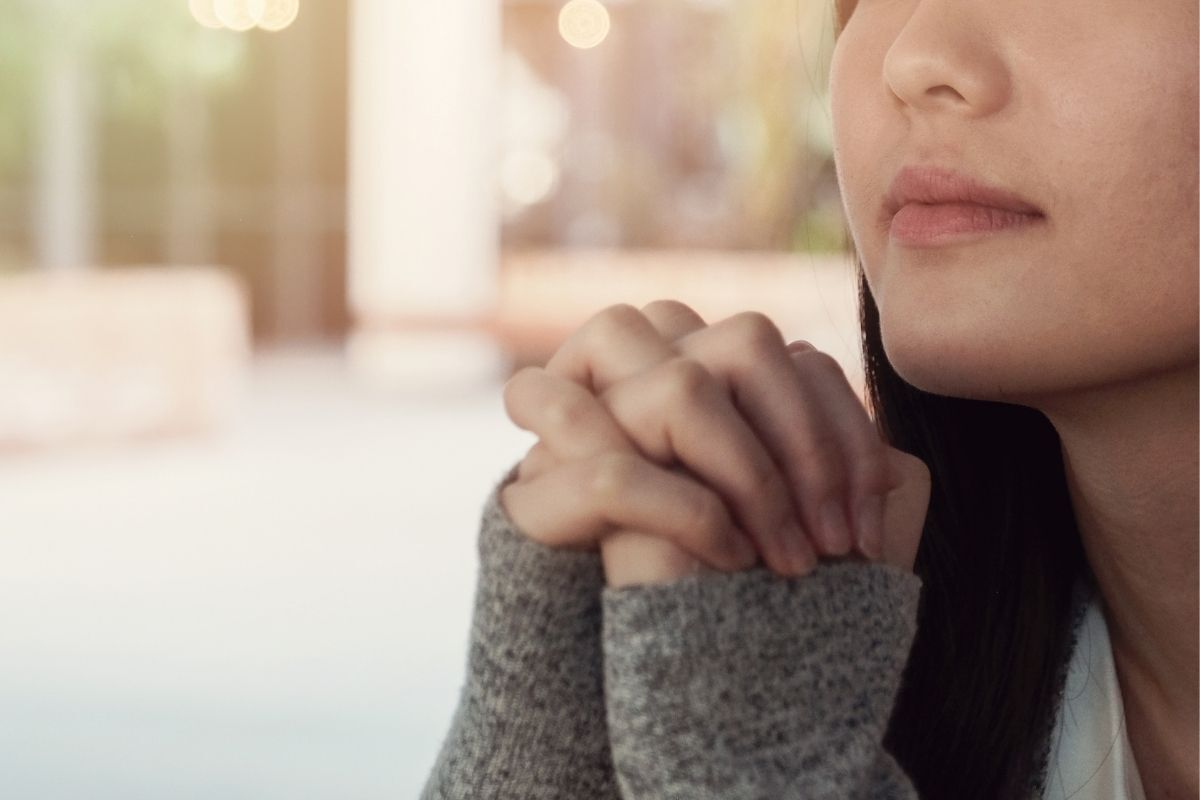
(530, 718)
(753, 685)
(737, 686)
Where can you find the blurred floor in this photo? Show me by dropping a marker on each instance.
(278, 612)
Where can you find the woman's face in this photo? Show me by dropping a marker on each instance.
(1086, 109)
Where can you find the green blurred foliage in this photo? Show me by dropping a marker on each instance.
(776, 95)
(135, 51)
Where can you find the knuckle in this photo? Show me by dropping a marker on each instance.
(921, 470)
(565, 413)
(515, 385)
(820, 453)
(871, 471)
(830, 484)
(612, 472)
(515, 380)
(819, 359)
(535, 462)
(914, 468)
(668, 304)
(758, 331)
(613, 318)
(685, 378)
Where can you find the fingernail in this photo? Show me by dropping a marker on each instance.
(801, 558)
(870, 520)
(834, 528)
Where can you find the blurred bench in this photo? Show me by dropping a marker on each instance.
(105, 354)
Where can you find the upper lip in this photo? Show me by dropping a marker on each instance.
(932, 184)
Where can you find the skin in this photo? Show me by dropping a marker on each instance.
(667, 441)
(1089, 112)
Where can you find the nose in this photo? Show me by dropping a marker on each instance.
(944, 59)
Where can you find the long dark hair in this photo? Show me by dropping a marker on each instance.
(999, 557)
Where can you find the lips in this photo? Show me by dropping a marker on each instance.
(932, 185)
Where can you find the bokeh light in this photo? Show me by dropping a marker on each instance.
(274, 15)
(234, 14)
(202, 12)
(583, 23)
(528, 176)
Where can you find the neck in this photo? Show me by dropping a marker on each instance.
(1130, 455)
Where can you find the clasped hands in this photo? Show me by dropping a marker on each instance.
(675, 446)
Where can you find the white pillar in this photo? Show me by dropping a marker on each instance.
(191, 227)
(423, 217)
(64, 211)
(296, 273)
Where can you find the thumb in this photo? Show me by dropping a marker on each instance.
(905, 508)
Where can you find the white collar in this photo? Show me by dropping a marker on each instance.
(1090, 756)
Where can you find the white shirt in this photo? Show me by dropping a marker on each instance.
(1090, 757)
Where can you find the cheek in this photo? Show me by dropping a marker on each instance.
(1128, 241)
(1120, 158)
(857, 124)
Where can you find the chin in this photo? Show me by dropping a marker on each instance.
(942, 362)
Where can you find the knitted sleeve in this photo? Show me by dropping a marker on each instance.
(530, 721)
(733, 686)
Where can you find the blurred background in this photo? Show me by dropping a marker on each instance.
(265, 266)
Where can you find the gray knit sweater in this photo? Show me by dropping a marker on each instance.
(719, 686)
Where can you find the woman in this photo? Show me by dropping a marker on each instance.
(1020, 185)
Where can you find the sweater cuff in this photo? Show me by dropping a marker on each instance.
(533, 603)
(530, 719)
(753, 684)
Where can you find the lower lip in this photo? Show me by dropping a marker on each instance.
(926, 225)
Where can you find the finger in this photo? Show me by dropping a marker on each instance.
(865, 456)
(569, 420)
(683, 416)
(906, 508)
(678, 411)
(815, 429)
(611, 345)
(566, 506)
(672, 319)
(575, 425)
(748, 351)
(536, 461)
